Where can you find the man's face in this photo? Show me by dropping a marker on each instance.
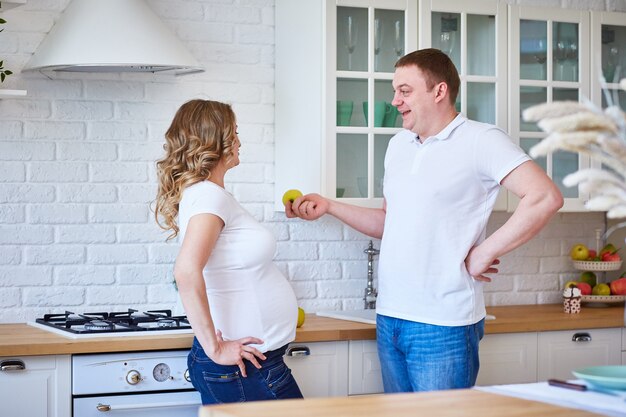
(412, 98)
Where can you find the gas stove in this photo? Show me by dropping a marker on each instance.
(113, 324)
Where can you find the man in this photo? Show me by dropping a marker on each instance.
(442, 176)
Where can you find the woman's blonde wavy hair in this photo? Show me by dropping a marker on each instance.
(202, 133)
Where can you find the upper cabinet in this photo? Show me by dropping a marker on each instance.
(335, 62)
(334, 121)
(4, 6)
(549, 61)
(473, 34)
(7, 5)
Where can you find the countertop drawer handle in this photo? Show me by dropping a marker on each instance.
(581, 337)
(12, 365)
(299, 351)
(103, 407)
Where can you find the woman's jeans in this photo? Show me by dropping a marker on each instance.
(224, 383)
(423, 357)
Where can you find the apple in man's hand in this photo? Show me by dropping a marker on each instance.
(291, 195)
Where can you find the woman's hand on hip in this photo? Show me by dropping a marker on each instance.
(233, 352)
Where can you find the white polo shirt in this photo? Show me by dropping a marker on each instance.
(439, 196)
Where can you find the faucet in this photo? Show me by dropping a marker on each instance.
(370, 291)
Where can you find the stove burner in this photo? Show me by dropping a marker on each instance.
(99, 325)
(166, 323)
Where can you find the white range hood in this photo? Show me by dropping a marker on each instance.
(111, 36)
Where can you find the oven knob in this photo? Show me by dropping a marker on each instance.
(186, 375)
(133, 377)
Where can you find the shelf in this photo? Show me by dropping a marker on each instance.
(11, 93)
(6, 5)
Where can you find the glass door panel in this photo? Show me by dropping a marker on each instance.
(617, 97)
(481, 45)
(530, 96)
(446, 35)
(533, 49)
(564, 94)
(386, 115)
(564, 163)
(351, 94)
(388, 39)
(565, 47)
(613, 53)
(381, 142)
(526, 144)
(481, 102)
(352, 38)
(351, 166)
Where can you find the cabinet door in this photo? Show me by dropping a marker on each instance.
(508, 359)
(42, 388)
(365, 40)
(364, 375)
(548, 61)
(473, 35)
(608, 40)
(562, 352)
(320, 368)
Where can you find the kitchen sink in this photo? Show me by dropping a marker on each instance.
(363, 316)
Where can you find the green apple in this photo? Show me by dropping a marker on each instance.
(588, 277)
(579, 252)
(291, 195)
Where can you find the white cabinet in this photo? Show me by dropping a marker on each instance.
(364, 368)
(548, 61)
(37, 386)
(320, 368)
(608, 40)
(509, 358)
(334, 66)
(561, 352)
(4, 6)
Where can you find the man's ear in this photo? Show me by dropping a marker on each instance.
(442, 92)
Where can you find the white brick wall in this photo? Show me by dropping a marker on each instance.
(77, 175)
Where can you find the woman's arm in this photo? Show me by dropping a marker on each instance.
(202, 233)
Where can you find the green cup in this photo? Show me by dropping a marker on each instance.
(344, 112)
(391, 114)
(380, 109)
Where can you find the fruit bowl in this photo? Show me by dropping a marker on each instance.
(597, 265)
(607, 299)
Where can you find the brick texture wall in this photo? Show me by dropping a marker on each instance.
(77, 176)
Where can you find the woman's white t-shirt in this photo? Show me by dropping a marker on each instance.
(248, 295)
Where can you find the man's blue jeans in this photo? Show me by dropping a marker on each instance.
(424, 357)
(224, 384)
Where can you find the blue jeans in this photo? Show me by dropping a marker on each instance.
(424, 357)
(224, 383)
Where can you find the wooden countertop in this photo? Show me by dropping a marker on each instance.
(466, 403)
(24, 340)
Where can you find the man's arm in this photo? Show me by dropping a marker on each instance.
(369, 221)
(540, 199)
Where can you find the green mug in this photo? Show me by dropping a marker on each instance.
(344, 112)
(380, 109)
(391, 114)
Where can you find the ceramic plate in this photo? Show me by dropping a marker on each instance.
(610, 377)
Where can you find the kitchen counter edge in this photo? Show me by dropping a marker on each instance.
(23, 340)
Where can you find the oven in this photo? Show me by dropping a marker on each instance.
(137, 384)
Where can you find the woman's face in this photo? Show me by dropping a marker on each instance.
(234, 160)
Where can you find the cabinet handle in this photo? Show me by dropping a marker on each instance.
(12, 365)
(299, 351)
(103, 407)
(581, 337)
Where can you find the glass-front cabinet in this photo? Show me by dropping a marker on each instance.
(334, 117)
(549, 61)
(473, 34)
(365, 39)
(608, 37)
